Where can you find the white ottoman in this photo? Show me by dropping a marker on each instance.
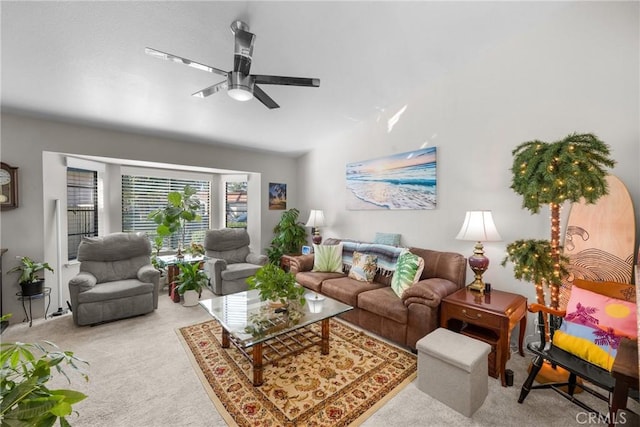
(453, 369)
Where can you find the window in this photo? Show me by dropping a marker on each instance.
(144, 194)
(236, 205)
(82, 207)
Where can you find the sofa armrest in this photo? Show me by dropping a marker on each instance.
(257, 259)
(213, 268)
(301, 263)
(83, 281)
(428, 292)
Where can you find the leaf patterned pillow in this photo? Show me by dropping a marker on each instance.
(327, 258)
(364, 267)
(408, 271)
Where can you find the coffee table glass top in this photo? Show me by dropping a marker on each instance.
(250, 320)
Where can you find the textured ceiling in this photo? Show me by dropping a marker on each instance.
(84, 62)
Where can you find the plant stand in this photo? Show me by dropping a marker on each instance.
(46, 292)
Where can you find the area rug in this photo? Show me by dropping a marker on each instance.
(343, 388)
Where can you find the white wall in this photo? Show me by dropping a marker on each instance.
(33, 145)
(577, 72)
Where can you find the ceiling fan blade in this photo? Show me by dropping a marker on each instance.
(211, 89)
(288, 81)
(170, 57)
(264, 98)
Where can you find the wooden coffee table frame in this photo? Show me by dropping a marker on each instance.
(289, 343)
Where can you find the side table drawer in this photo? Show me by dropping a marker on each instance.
(471, 315)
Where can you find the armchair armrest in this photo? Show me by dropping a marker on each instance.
(546, 326)
(301, 263)
(428, 292)
(257, 259)
(148, 274)
(213, 268)
(536, 308)
(83, 281)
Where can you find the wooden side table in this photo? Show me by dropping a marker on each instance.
(489, 317)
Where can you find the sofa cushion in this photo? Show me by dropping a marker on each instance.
(384, 302)
(407, 272)
(239, 271)
(115, 290)
(346, 290)
(327, 258)
(313, 280)
(363, 267)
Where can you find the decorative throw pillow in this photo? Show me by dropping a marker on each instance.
(327, 258)
(391, 239)
(594, 325)
(624, 291)
(363, 267)
(408, 271)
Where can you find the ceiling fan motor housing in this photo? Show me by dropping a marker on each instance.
(240, 87)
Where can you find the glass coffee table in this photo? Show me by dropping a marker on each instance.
(264, 333)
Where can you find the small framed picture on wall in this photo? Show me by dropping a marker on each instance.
(277, 196)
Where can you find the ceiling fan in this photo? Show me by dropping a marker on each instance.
(240, 85)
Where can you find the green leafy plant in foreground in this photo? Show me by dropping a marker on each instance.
(275, 284)
(26, 399)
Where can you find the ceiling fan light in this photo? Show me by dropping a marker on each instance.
(240, 93)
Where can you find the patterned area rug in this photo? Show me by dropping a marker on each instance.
(343, 388)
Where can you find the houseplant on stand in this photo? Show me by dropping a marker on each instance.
(190, 282)
(30, 281)
(182, 207)
(289, 236)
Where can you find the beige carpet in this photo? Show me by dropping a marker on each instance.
(140, 375)
(341, 388)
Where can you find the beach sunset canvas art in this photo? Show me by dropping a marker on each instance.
(401, 181)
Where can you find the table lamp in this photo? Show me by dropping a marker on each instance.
(316, 220)
(478, 226)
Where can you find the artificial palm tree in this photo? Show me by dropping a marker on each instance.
(572, 169)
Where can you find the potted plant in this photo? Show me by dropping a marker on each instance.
(571, 169)
(190, 282)
(30, 281)
(182, 207)
(26, 399)
(289, 236)
(276, 285)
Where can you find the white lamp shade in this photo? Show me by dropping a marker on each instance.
(479, 227)
(316, 218)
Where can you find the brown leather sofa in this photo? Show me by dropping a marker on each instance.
(376, 306)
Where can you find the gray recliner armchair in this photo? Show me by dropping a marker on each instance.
(116, 279)
(230, 260)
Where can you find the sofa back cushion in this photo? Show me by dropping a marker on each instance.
(111, 271)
